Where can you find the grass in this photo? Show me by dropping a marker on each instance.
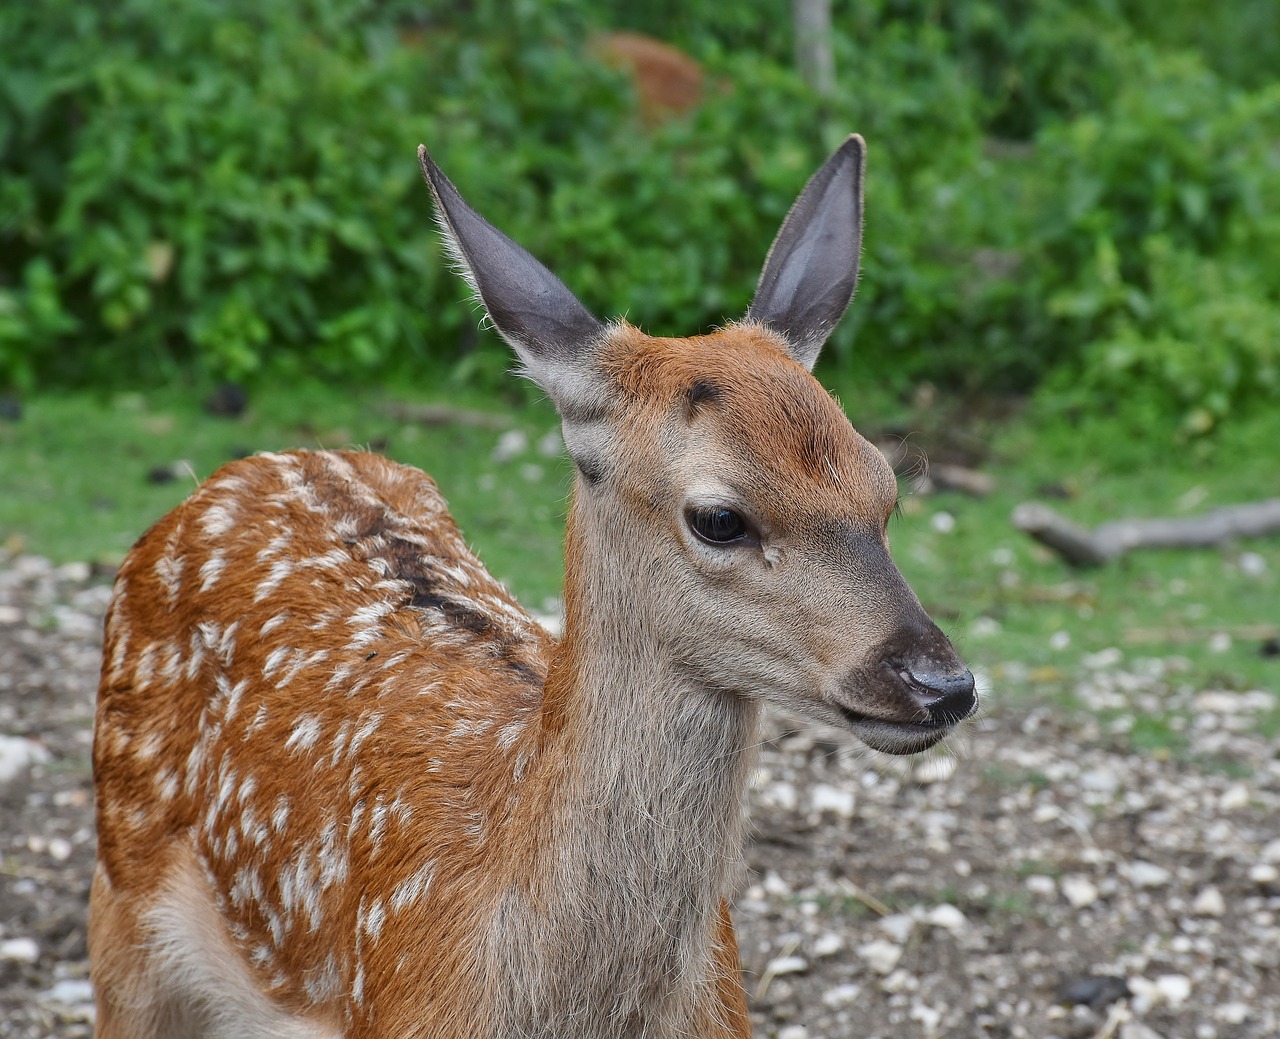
(75, 485)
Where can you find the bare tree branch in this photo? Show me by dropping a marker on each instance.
(1082, 547)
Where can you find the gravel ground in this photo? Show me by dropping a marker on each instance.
(1040, 881)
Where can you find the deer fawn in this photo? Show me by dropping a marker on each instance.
(347, 787)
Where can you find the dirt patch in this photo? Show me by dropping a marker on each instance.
(1043, 881)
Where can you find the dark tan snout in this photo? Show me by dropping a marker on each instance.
(909, 693)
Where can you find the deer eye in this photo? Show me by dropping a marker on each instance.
(717, 525)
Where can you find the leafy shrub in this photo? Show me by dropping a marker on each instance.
(229, 188)
(1163, 258)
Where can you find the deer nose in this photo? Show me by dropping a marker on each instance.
(948, 696)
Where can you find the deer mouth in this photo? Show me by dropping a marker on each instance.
(894, 737)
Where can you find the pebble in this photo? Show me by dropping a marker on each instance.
(1147, 874)
(1174, 989)
(787, 965)
(825, 798)
(19, 950)
(70, 992)
(841, 995)
(1137, 1030)
(880, 956)
(1235, 797)
(794, 1032)
(17, 754)
(1079, 891)
(898, 926)
(1264, 873)
(1039, 884)
(948, 917)
(828, 944)
(928, 1016)
(1209, 902)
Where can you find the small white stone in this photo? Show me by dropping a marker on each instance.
(17, 754)
(1234, 798)
(1137, 1030)
(1232, 1013)
(1219, 642)
(76, 572)
(19, 950)
(1103, 660)
(794, 1032)
(1148, 874)
(787, 965)
(9, 614)
(1079, 890)
(60, 849)
(897, 926)
(775, 885)
(928, 1017)
(1039, 884)
(1252, 564)
(1060, 640)
(828, 944)
(1209, 902)
(984, 628)
(513, 442)
(935, 768)
(781, 795)
(1100, 780)
(880, 956)
(943, 522)
(826, 798)
(841, 995)
(1264, 873)
(550, 445)
(1174, 989)
(1271, 851)
(948, 917)
(900, 981)
(70, 992)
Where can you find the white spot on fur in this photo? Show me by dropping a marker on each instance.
(271, 623)
(211, 570)
(280, 817)
(509, 733)
(280, 569)
(413, 887)
(364, 732)
(169, 568)
(374, 918)
(217, 520)
(305, 733)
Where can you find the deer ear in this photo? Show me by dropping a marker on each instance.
(812, 267)
(551, 332)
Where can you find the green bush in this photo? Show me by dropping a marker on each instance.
(1060, 196)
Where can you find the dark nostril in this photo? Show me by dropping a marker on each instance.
(947, 696)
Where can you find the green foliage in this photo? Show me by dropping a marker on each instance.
(1076, 196)
(1165, 258)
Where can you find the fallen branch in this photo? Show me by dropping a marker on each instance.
(1082, 547)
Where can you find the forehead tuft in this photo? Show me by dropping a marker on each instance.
(774, 411)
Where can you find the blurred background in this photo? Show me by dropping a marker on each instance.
(214, 239)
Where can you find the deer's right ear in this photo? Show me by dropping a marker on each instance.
(551, 331)
(812, 267)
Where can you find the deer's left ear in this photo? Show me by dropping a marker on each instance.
(812, 267)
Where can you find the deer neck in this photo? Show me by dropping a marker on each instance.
(639, 837)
